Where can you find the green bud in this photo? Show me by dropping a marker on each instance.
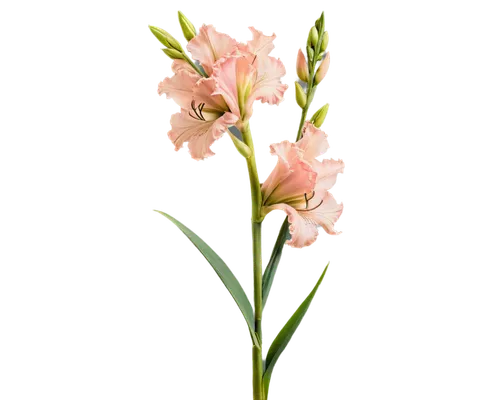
(320, 22)
(324, 43)
(300, 95)
(310, 54)
(166, 38)
(319, 116)
(320, 56)
(174, 54)
(317, 21)
(242, 148)
(313, 37)
(188, 28)
(323, 19)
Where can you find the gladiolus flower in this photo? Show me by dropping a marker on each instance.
(299, 186)
(250, 74)
(203, 117)
(323, 69)
(238, 74)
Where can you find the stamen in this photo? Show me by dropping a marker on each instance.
(254, 59)
(197, 110)
(314, 208)
(307, 203)
(200, 109)
(193, 107)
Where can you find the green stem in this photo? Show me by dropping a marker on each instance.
(258, 367)
(311, 89)
(257, 362)
(253, 175)
(196, 68)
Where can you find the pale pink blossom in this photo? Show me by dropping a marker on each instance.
(238, 75)
(204, 117)
(250, 74)
(299, 186)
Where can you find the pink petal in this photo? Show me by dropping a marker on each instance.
(326, 214)
(179, 88)
(182, 65)
(261, 45)
(234, 75)
(292, 177)
(269, 88)
(303, 231)
(327, 171)
(209, 46)
(200, 134)
(203, 94)
(313, 142)
(280, 171)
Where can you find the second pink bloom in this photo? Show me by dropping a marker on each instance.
(299, 186)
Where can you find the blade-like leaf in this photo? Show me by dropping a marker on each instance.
(283, 338)
(224, 273)
(272, 266)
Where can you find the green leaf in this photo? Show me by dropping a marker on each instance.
(272, 266)
(224, 273)
(283, 338)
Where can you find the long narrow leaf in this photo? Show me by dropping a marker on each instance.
(283, 338)
(272, 266)
(223, 271)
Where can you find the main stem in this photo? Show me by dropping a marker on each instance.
(257, 362)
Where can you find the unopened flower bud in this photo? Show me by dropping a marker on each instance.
(242, 148)
(300, 95)
(324, 43)
(313, 37)
(310, 53)
(302, 69)
(322, 70)
(319, 116)
(174, 54)
(166, 38)
(188, 28)
(318, 21)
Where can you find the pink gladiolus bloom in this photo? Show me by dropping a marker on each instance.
(238, 74)
(204, 117)
(299, 186)
(323, 68)
(250, 74)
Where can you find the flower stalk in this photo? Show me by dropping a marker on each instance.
(257, 362)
